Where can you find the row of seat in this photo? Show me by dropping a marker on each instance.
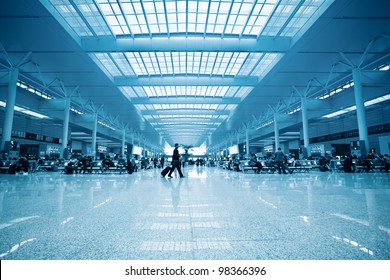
(293, 166)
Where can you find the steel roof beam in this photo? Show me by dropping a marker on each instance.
(185, 81)
(186, 100)
(185, 119)
(190, 43)
(186, 112)
(187, 125)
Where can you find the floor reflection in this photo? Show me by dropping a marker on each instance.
(209, 214)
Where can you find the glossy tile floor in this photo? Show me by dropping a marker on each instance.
(210, 214)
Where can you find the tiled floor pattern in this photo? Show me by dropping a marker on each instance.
(210, 214)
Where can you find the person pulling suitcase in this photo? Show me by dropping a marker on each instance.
(176, 162)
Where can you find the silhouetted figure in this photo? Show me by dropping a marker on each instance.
(348, 164)
(280, 161)
(176, 162)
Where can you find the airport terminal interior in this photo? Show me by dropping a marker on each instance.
(280, 110)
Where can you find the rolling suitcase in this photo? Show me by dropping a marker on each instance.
(165, 171)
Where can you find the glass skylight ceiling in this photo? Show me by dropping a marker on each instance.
(186, 91)
(135, 17)
(197, 107)
(187, 63)
(185, 106)
(142, 19)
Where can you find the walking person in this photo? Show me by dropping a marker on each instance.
(176, 162)
(280, 161)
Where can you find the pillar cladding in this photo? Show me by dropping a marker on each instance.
(9, 110)
(360, 110)
(305, 123)
(65, 127)
(247, 142)
(276, 127)
(94, 133)
(123, 142)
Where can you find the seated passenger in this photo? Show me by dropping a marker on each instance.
(253, 162)
(386, 162)
(366, 163)
(22, 165)
(236, 164)
(348, 164)
(323, 165)
(121, 164)
(106, 163)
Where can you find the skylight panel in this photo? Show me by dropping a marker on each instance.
(266, 64)
(108, 63)
(192, 17)
(302, 16)
(149, 7)
(246, 8)
(105, 17)
(137, 7)
(170, 91)
(231, 91)
(140, 107)
(149, 107)
(244, 91)
(250, 63)
(90, 12)
(231, 107)
(122, 63)
(170, 6)
(221, 19)
(128, 92)
(112, 20)
(241, 20)
(224, 7)
(71, 16)
(127, 8)
(285, 10)
(203, 6)
(267, 9)
(185, 106)
(158, 63)
(140, 91)
(154, 28)
(152, 19)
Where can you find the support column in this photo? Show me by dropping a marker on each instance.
(123, 142)
(238, 138)
(227, 149)
(9, 109)
(247, 143)
(65, 127)
(276, 127)
(360, 110)
(305, 125)
(94, 133)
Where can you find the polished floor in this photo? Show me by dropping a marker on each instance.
(209, 214)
